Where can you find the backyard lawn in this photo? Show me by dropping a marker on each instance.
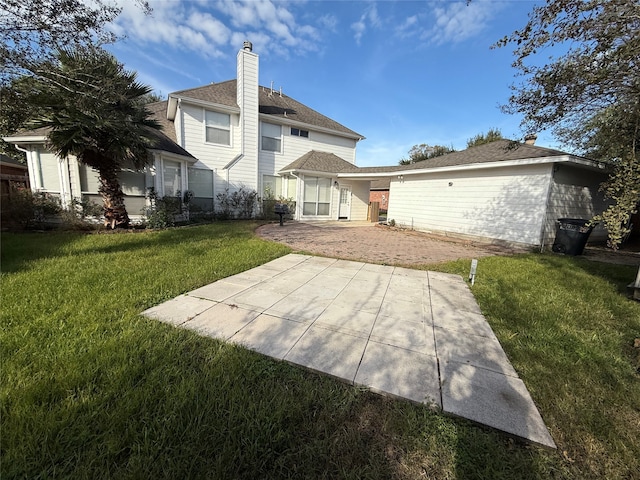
(90, 389)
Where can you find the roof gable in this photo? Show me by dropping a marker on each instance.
(315, 161)
(281, 107)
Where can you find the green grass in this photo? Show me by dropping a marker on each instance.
(92, 390)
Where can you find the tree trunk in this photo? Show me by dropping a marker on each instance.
(115, 213)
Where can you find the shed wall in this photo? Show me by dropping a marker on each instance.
(574, 194)
(505, 204)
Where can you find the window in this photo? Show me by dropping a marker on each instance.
(201, 185)
(299, 133)
(290, 187)
(271, 137)
(271, 186)
(172, 178)
(317, 196)
(217, 128)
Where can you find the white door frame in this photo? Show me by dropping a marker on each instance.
(341, 214)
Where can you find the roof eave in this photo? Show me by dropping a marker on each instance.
(297, 171)
(26, 139)
(188, 158)
(204, 103)
(505, 163)
(285, 121)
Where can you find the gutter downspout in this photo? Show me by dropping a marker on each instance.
(232, 164)
(35, 182)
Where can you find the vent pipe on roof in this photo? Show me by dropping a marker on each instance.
(247, 45)
(530, 139)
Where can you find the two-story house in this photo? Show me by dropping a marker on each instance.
(220, 137)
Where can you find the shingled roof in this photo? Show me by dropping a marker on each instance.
(163, 139)
(498, 151)
(271, 103)
(315, 161)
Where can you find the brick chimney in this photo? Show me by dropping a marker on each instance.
(530, 139)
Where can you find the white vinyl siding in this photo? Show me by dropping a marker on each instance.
(217, 128)
(498, 203)
(271, 137)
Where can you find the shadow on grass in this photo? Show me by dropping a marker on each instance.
(19, 250)
(157, 402)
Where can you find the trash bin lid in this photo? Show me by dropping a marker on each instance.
(574, 221)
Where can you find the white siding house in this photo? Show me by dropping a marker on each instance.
(215, 139)
(225, 136)
(503, 191)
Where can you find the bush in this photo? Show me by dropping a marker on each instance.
(162, 211)
(239, 204)
(25, 209)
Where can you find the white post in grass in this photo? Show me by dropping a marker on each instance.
(636, 286)
(472, 273)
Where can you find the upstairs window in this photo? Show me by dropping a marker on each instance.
(296, 132)
(271, 137)
(217, 127)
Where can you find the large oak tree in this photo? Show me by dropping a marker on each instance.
(588, 92)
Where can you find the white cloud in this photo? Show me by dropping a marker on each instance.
(210, 28)
(369, 18)
(458, 21)
(329, 22)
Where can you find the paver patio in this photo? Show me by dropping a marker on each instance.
(408, 333)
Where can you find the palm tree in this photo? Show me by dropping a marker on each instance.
(93, 109)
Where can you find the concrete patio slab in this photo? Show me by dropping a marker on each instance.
(483, 352)
(179, 310)
(328, 351)
(462, 321)
(299, 308)
(218, 291)
(408, 333)
(270, 335)
(399, 372)
(490, 398)
(404, 334)
(348, 320)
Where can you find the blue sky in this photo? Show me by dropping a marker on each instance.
(400, 73)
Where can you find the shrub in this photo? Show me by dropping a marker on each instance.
(238, 204)
(23, 208)
(162, 211)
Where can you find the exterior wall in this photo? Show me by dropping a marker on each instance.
(380, 196)
(506, 204)
(245, 172)
(574, 194)
(359, 200)
(293, 147)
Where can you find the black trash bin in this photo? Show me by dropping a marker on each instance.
(571, 236)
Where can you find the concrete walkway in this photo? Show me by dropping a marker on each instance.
(408, 333)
